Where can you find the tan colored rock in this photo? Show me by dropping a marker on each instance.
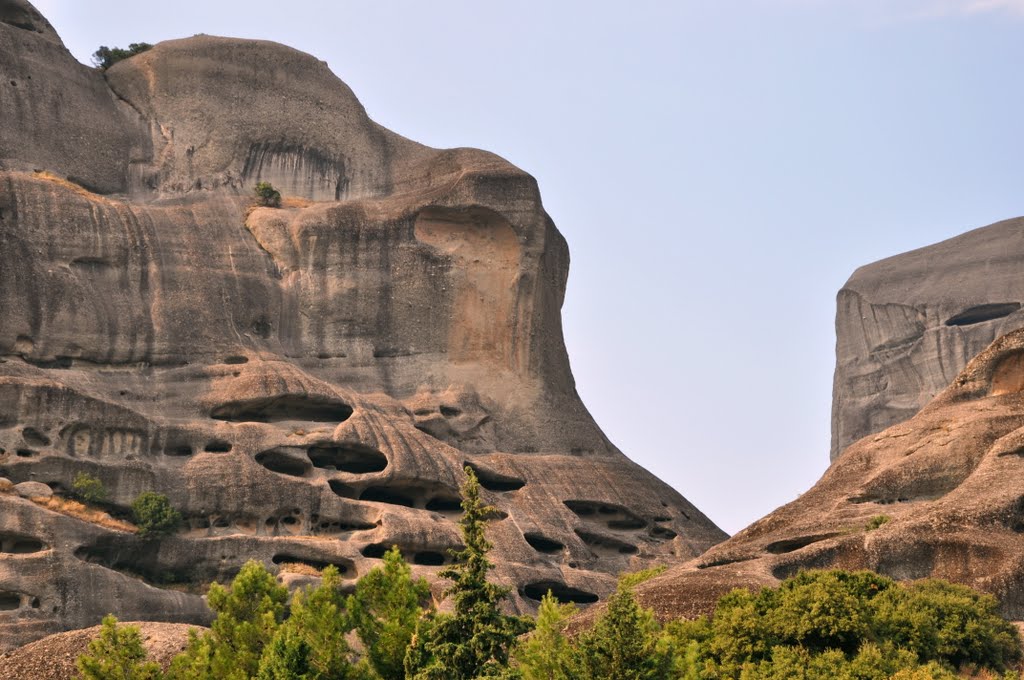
(33, 490)
(305, 384)
(945, 490)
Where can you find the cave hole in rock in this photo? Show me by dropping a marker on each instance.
(614, 516)
(284, 463)
(450, 411)
(16, 544)
(543, 544)
(347, 458)
(236, 359)
(428, 558)
(663, 533)
(26, 453)
(982, 313)
(343, 490)
(603, 544)
(34, 437)
(561, 592)
(444, 504)
(9, 601)
(383, 494)
(789, 545)
(319, 565)
(217, 446)
(374, 551)
(178, 450)
(138, 560)
(299, 407)
(495, 481)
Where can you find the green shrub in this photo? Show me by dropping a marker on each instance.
(88, 489)
(876, 521)
(267, 195)
(105, 57)
(117, 654)
(154, 515)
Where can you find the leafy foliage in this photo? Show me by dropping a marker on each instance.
(877, 521)
(248, 616)
(154, 515)
(318, 619)
(384, 609)
(88, 489)
(837, 624)
(476, 639)
(105, 57)
(267, 195)
(547, 654)
(117, 654)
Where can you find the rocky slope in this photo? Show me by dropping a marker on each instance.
(945, 490)
(907, 325)
(304, 383)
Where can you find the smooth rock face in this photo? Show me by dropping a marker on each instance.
(907, 325)
(305, 384)
(949, 484)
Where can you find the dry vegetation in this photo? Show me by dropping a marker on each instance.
(299, 568)
(71, 508)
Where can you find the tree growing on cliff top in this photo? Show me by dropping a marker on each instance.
(105, 57)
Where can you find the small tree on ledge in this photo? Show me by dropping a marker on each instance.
(267, 195)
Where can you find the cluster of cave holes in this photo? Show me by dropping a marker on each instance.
(423, 556)
(560, 591)
(299, 461)
(15, 544)
(604, 545)
(283, 523)
(613, 516)
(10, 601)
(343, 567)
(287, 407)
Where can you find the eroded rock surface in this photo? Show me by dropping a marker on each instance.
(945, 490)
(304, 383)
(907, 325)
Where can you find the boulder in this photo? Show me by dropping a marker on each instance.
(33, 490)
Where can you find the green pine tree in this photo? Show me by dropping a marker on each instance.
(318, 617)
(117, 654)
(623, 643)
(248, 615)
(547, 654)
(476, 639)
(385, 608)
(287, 657)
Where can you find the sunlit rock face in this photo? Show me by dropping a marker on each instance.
(939, 495)
(306, 383)
(907, 325)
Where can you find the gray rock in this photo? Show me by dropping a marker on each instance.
(907, 325)
(33, 490)
(306, 384)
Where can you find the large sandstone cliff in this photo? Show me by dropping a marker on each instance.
(304, 383)
(907, 325)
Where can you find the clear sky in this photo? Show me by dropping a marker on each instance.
(718, 167)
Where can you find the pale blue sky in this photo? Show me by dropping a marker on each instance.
(719, 169)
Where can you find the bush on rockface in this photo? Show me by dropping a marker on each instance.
(153, 514)
(88, 489)
(267, 195)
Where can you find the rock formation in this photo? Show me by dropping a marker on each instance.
(940, 495)
(907, 325)
(306, 383)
